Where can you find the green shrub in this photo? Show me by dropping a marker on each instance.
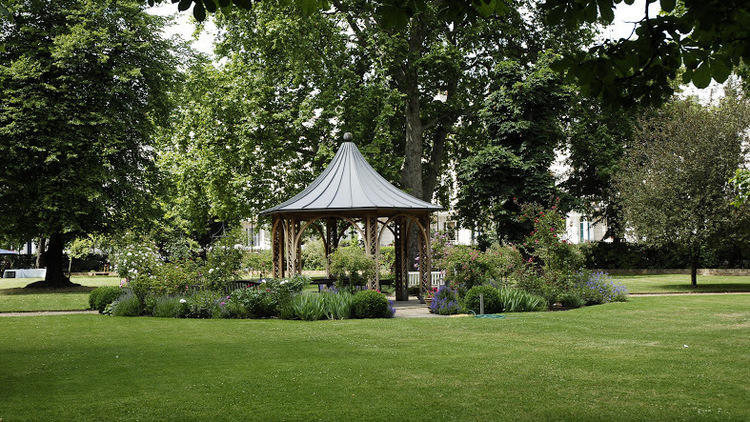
(351, 262)
(313, 255)
(260, 262)
(258, 303)
(571, 299)
(127, 305)
(169, 307)
(371, 304)
(308, 307)
(387, 258)
(100, 297)
(202, 304)
(492, 302)
(338, 305)
(231, 309)
(223, 263)
(598, 287)
(517, 300)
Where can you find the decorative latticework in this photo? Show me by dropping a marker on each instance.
(425, 255)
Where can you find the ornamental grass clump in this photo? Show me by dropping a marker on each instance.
(308, 307)
(169, 307)
(598, 287)
(445, 301)
(517, 300)
(127, 305)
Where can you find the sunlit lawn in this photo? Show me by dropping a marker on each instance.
(680, 283)
(652, 358)
(13, 296)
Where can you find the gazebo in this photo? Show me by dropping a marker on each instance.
(350, 193)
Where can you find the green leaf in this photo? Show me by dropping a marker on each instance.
(589, 13)
(184, 5)
(719, 70)
(210, 5)
(667, 5)
(606, 10)
(199, 12)
(702, 76)
(244, 4)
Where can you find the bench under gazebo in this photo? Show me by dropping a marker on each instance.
(350, 193)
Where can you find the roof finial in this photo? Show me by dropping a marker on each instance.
(348, 137)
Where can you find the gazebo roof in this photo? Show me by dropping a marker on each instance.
(349, 183)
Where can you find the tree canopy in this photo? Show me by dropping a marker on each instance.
(83, 83)
(675, 176)
(708, 38)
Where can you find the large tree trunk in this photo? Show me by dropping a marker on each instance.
(54, 258)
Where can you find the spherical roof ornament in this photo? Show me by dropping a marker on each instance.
(348, 137)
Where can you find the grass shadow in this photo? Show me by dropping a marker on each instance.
(706, 288)
(32, 291)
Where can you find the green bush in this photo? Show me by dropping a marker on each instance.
(100, 297)
(492, 302)
(517, 300)
(231, 309)
(169, 307)
(351, 262)
(371, 304)
(127, 305)
(571, 300)
(257, 303)
(313, 255)
(223, 263)
(387, 258)
(202, 304)
(260, 262)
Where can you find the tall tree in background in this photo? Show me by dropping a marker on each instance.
(82, 85)
(597, 135)
(523, 118)
(674, 177)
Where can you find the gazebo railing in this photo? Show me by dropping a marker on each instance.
(436, 278)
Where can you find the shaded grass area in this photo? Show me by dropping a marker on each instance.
(14, 297)
(620, 361)
(680, 283)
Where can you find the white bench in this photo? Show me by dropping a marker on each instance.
(25, 273)
(436, 278)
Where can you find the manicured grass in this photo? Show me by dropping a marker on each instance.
(621, 361)
(680, 283)
(13, 296)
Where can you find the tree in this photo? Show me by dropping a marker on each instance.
(674, 177)
(523, 116)
(83, 83)
(706, 37)
(597, 135)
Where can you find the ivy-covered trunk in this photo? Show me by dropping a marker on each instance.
(54, 258)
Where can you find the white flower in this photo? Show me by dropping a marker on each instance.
(183, 301)
(284, 281)
(210, 270)
(130, 253)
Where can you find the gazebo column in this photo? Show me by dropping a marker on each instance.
(401, 282)
(292, 246)
(425, 256)
(330, 241)
(372, 249)
(277, 244)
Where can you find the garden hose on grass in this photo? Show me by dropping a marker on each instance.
(496, 316)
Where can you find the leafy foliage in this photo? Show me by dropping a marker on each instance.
(352, 263)
(84, 84)
(492, 302)
(675, 176)
(371, 304)
(100, 297)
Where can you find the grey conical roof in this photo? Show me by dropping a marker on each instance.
(349, 183)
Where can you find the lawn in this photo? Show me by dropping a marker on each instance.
(621, 361)
(680, 283)
(13, 296)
